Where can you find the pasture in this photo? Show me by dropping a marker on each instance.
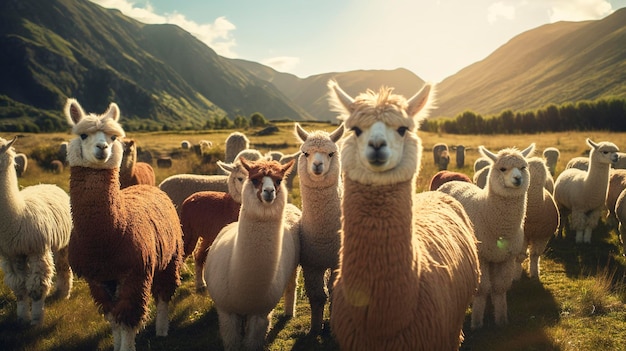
(578, 304)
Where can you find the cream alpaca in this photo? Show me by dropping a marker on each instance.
(497, 212)
(583, 194)
(35, 224)
(408, 265)
(253, 261)
(126, 243)
(319, 169)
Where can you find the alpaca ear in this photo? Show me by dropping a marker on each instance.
(73, 111)
(527, 152)
(423, 100)
(8, 145)
(287, 167)
(592, 144)
(488, 154)
(226, 167)
(245, 163)
(301, 133)
(339, 99)
(112, 112)
(337, 133)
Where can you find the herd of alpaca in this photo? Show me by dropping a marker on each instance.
(398, 268)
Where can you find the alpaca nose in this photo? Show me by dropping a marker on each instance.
(269, 194)
(377, 144)
(102, 146)
(517, 181)
(318, 168)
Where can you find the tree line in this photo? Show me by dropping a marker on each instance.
(602, 114)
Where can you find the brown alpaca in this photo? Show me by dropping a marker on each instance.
(408, 264)
(133, 172)
(126, 243)
(444, 176)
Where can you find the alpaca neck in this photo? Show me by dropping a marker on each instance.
(320, 203)
(12, 203)
(597, 182)
(257, 252)
(377, 233)
(95, 198)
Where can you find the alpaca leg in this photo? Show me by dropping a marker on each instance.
(587, 235)
(38, 283)
(162, 319)
(14, 278)
(64, 274)
(289, 297)
(499, 286)
(230, 330)
(480, 300)
(127, 338)
(115, 330)
(199, 256)
(256, 328)
(314, 286)
(534, 265)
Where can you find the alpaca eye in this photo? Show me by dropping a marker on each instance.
(331, 154)
(502, 169)
(113, 137)
(402, 130)
(306, 154)
(255, 182)
(278, 182)
(83, 136)
(240, 179)
(356, 131)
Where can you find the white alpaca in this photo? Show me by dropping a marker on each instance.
(497, 212)
(408, 265)
(319, 169)
(583, 194)
(551, 155)
(35, 225)
(253, 261)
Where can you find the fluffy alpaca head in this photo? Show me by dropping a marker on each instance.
(508, 175)
(130, 153)
(265, 180)
(98, 144)
(318, 152)
(603, 152)
(381, 146)
(237, 174)
(7, 154)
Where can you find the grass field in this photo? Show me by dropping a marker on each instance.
(578, 304)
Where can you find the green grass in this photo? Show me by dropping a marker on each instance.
(578, 304)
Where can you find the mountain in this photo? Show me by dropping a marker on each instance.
(552, 64)
(158, 74)
(311, 93)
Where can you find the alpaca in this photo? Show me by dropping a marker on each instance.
(620, 214)
(235, 143)
(551, 155)
(580, 162)
(617, 183)
(204, 213)
(497, 212)
(583, 194)
(480, 163)
(320, 193)
(441, 156)
(542, 214)
(253, 261)
(185, 145)
(133, 172)
(21, 163)
(460, 155)
(126, 243)
(62, 153)
(180, 186)
(408, 264)
(442, 177)
(36, 226)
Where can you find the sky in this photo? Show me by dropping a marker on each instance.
(432, 38)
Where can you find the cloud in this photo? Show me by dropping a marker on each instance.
(216, 35)
(578, 10)
(282, 63)
(500, 10)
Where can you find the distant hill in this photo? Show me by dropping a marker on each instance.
(311, 93)
(555, 63)
(158, 74)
